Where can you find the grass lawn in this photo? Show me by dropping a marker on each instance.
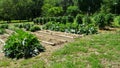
(94, 51)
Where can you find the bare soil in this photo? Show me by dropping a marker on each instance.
(51, 40)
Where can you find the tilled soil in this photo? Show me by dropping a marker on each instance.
(51, 40)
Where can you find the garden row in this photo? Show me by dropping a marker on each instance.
(62, 19)
(28, 27)
(74, 28)
(82, 24)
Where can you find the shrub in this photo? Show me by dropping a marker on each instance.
(109, 19)
(99, 20)
(64, 19)
(35, 28)
(79, 18)
(2, 31)
(71, 28)
(48, 25)
(27, 26)
(116, 21)
(22, 45)
(72, 10)
(55, 11)
(89, 29)
(62, 27)
(4, 26)
(19, 25)
(87, 20)
(70, 18)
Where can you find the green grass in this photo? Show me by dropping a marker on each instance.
(4, 63)
(93, 51)
(89, 52)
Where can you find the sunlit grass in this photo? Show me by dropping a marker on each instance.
(93, 51)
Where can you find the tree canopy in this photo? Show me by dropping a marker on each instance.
(29, 9)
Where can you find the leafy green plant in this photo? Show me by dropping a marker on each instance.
(79, 18)
(116, 21)
(2, 31)
(27, 26)
(109, 19)
(73, 10)
(22, 45)
(19, 25)
(48, 25)
(99, 20)
(72, 28)
(55, 11)
(35, 28)
(4, 26)
(87, 20)
(62, 27)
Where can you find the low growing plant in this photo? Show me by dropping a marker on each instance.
(99, 20)
(71, 28)
(116, 22)
(35, 28)
(22, 45)
(2, 31)
(4, 26)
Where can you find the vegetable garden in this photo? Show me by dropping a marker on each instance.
(63, 31)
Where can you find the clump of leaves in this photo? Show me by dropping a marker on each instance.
(72, 28)
(19, 25)
(99, 20)
(2, 31)
(27, 26)
(35, 28)
(116, 21)
(4, 26)
(22, 45)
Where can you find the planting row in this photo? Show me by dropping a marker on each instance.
(101, 20)
(28, 27)
(43, 20)
(71, 28)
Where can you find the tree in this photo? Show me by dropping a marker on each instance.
(55, 11)
(73, 10)
(6, 10)
(89, 6)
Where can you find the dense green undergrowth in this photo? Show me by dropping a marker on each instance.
(93, 51)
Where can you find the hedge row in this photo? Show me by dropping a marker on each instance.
(44, 20)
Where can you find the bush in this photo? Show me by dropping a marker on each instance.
(71, 28)
(87, 20)
(27, 26)
(2, 31)
(99, 20)
(116, 21)
(35, 28)
(19, 25)
(62, 27)
(109, 19)
(4, 26)
(48, 25)
(79, 18)
(89, 29)
(22, 45)
(61, 19)
(55, 11)
(64, 19)
(72, 10)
